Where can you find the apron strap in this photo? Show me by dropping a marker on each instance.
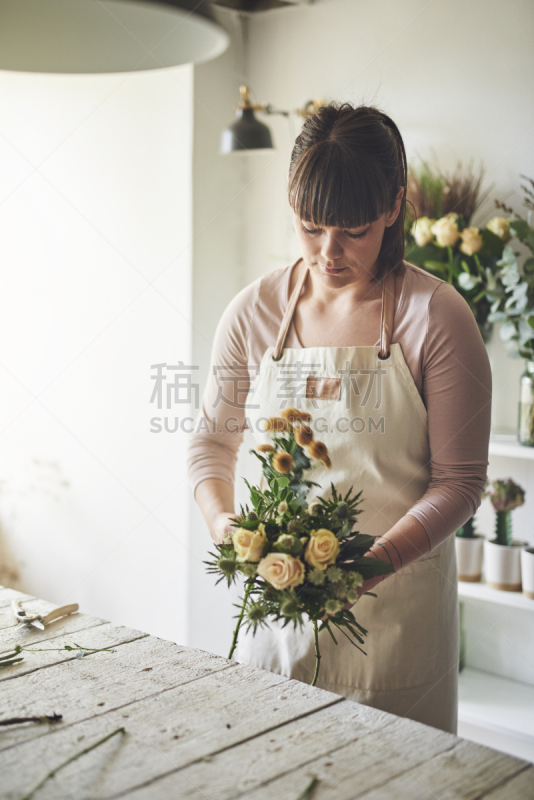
(388, 312)
(288, 316)
(386, 320)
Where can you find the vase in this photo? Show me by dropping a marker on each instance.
(469, 552)
(527, 571)
(526, 406)
(502, 565)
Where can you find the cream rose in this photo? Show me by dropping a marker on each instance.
(322, 549)
(248, 544)
(446, 230)
(500, 226)
(471, 241)
(422, 231)
(281, 570)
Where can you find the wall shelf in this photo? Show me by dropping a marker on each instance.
(497, 710)
(479, 591)
(508, 446)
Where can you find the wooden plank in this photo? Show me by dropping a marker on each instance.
(7, 595)
(164, 732)
(520, 786)
(16, 634)
(106, 635)
(82, 688)
(301, 743)
(389, 765)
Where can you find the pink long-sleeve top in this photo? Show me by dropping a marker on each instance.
(445, 354)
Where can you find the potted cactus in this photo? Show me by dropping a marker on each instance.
(527, 571)
(469, 549)
(502, 555)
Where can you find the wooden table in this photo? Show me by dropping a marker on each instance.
(203, 728)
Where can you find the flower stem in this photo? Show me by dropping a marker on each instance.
(317, 653)
(240, 618)
(53, 771)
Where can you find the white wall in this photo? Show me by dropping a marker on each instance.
(95, 224)
(455, 76)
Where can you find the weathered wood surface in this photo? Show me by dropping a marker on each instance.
(198, 727)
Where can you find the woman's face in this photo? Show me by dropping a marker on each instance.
(344, 255)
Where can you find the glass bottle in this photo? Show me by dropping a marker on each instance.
(526, 406)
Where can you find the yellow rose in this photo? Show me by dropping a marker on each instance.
(471, 241)
(446, 230)
(281, 570)
(322, 549)
(248, 544)
(422, 231)
(500, 226)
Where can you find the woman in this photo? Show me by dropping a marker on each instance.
(390, 361)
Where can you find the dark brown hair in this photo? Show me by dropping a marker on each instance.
(346, 169)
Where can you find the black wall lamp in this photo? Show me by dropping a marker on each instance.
(92, 36)
(249, 134)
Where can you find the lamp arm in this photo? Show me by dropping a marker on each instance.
(270, 109)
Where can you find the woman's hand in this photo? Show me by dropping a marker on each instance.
(222, 524)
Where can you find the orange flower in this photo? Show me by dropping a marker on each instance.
(276, 424)
(295, 415)
(319, 451)
(303, 435)
(266, 448)
(282, 462)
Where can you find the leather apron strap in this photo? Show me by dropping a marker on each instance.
(386, 320)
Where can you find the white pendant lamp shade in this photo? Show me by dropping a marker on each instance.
(89, 36)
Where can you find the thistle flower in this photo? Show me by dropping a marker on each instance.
(249, 570)
(319, 451)
(294, 526)
(334, 574)
(340, 590)
(317, 577)
(353, 596)
(256, 615)
(285, 542)
(354, 580)
(303, 435)
(316, 507)
(228, 566)
(282, 462)
(290, 609)
(276, 424)
(266, 448)
(332, 607)
(342, 510)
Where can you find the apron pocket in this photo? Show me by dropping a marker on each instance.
(404, 631)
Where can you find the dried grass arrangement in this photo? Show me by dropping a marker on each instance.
(434, 193)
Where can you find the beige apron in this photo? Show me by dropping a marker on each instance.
(369, 413)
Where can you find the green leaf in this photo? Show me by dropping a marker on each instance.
(371, 567)
(507, 331)
(468, 281)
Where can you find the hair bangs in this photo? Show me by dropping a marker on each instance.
(330, 187)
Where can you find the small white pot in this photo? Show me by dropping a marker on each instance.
(502, 565)
(527, 572)
(469, 558)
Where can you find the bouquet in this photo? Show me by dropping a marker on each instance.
(299, 559)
